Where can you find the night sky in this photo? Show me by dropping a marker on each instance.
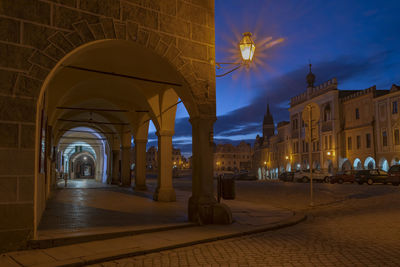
(355, 41)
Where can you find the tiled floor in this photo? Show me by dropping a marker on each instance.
(87, 206)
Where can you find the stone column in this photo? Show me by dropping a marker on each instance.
(126, 166)
(164, 192)
(115, 167)
(140, 164)
(203, 207)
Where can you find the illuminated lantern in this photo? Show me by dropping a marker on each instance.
(247, 47)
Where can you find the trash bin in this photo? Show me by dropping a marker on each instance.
(228, 188)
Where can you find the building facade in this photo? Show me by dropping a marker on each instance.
(228, 157)
(356, 129)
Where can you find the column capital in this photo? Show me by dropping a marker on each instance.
(140, 141)
(165, 132)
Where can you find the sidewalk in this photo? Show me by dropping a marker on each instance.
(139, 226)
(248, 219)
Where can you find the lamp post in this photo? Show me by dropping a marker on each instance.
(310, 115)
(247, 48)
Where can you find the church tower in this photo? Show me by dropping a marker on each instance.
(268, 125)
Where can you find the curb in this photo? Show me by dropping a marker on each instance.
(64, 241)
(98, 258)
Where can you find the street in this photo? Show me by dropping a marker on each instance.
(351, 225)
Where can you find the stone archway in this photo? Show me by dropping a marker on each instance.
(383, 164)
(61, 27)
(86, 68)
(395, 161)
(357, 164)
(346, 165)
(369, 163)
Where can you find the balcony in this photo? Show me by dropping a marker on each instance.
(327, 126)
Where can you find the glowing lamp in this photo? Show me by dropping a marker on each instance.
(265, 163)
(247, 47)
(287, 157)
(328, 153)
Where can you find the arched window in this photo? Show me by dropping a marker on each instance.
(327, 113)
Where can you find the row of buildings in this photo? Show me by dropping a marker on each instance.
(357, 129)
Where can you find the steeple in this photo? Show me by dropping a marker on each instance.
(268, 124)
(310, 78)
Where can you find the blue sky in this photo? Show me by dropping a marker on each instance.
(355, 41)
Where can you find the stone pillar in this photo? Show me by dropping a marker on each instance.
(126, 166)
(164, 192)
(140, 164)
(203, 207)
(115, 167)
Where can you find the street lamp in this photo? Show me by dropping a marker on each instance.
(287, 157)
(247, 48)
(328, 153)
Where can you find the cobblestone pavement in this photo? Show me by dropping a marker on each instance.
(360, 228)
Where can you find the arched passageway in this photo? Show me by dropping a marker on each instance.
(369, 163)
(83, 91)
(395, 161)
(346, 165)
(357, 164)
(288, 167)
(383, 164)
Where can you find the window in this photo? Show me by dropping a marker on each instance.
(330, 142)
(396, 137)
(368, 140)
(358, 142)
(384, 138)
(394, 107)
(349, 146)
(326, 142)
(327, 113)
(357, 114)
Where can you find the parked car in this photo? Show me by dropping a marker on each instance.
(341, 177)
(286, 176)
(244, 175)
(371, 176)
(394, 175)
(318, 176)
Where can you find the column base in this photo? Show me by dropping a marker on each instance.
(209, 212)
(165, 195)
(140, 187)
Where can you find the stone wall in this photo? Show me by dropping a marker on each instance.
(36, 34)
